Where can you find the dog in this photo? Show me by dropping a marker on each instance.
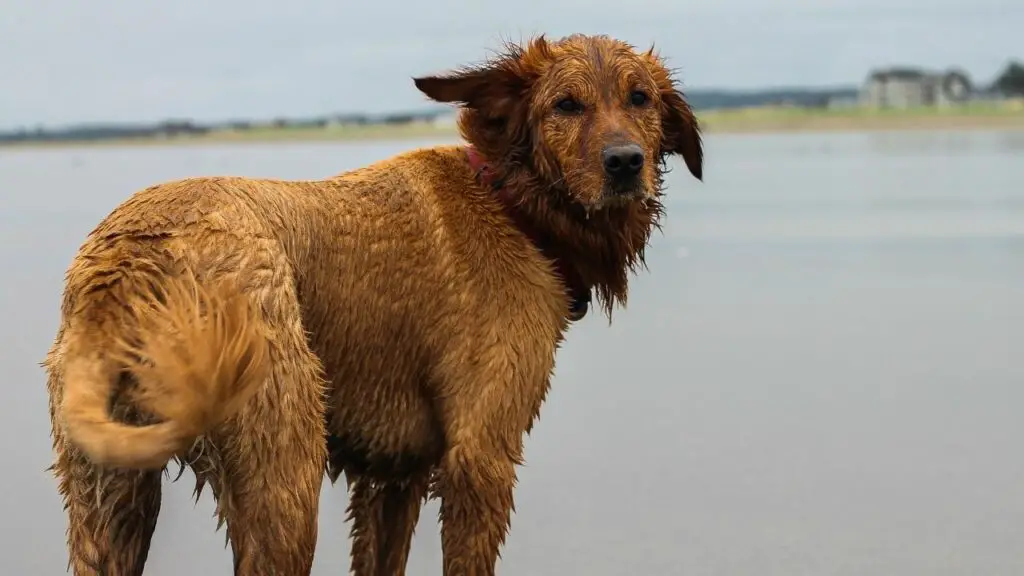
(397, 323)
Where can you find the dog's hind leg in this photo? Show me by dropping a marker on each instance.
(384, 517)
(111, 514)
(271, 455)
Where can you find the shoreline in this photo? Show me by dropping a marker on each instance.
(1005, 116)
(742, 121)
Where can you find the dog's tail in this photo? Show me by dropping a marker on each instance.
(196, 356)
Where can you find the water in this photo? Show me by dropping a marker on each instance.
(820, 374)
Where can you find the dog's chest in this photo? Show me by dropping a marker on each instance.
(382, 423)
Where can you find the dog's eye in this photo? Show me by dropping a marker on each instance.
(568, 106)
(638, 98)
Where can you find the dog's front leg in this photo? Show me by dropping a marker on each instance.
(485, 420)
(488, 389)
(475, 484)
(383, 519)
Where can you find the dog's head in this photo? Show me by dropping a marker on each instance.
(587, 116)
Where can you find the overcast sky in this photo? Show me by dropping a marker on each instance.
(67, 61)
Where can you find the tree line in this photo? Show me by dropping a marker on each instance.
(1011, 81)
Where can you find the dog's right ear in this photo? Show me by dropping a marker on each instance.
(493, 89)
(473, 87)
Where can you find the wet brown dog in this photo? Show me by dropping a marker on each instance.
(397, 323)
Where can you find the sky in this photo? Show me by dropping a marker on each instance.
(70, 61)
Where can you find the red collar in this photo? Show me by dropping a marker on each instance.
(579, 291)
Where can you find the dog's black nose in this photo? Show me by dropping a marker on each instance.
(624, 161)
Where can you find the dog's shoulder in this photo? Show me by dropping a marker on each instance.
(429, 169)
(433, 186)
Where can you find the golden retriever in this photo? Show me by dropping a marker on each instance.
(397, 323)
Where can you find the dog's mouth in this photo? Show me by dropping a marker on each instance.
(625, 191)
(618, 194)
(608, 193)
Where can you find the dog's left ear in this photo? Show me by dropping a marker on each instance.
(681, 132)
(680, 129)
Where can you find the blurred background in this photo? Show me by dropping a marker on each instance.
(820, 373)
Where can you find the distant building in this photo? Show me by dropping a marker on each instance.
(912, 88)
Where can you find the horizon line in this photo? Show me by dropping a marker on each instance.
(435, 106)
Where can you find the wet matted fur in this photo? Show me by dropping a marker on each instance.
(397, 323)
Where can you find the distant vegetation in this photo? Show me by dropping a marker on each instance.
(188, 128)
(1010, 83)
(725, 99)
(700, 99)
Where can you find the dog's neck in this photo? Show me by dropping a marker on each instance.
(578, 290)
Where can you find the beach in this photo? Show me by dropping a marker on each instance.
(818, 373)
